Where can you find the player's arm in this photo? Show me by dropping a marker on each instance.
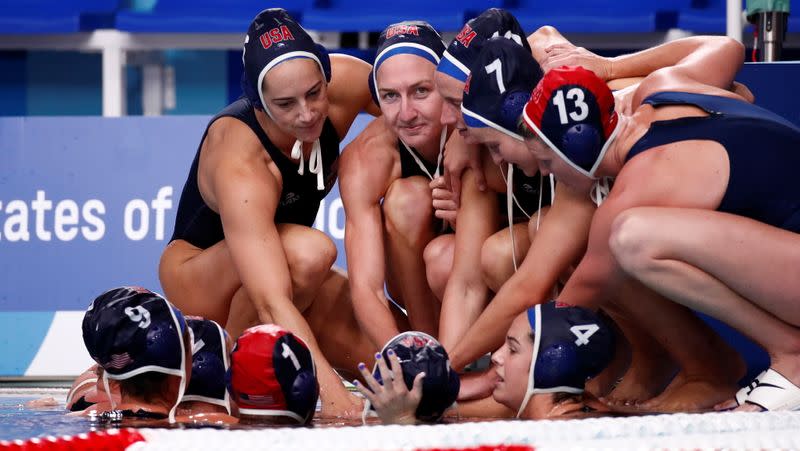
(364, 175)
(692, 74)
(466, 293)
(247, 195)
(348, 90)
(559, 243)
(690, 56)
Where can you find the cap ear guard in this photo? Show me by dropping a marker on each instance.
(302, 390)
(325, 61)
(303, 395)
(511, 109)
(249, 92)
(582, 140)
(209, 364)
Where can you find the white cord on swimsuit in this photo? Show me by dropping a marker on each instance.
(600, 190)
(511, 199)
(314, 161)
(421, 165)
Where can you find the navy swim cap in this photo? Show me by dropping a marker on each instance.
(418, 352)
(209, 363)
(272, 38)
(414, 37)
(465, 48)
(131, 330)
(571, 344)
(499, 86)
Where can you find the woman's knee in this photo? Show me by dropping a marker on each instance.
(495, 261)
(631, 240)
(438, 257)
(311, 255)
(407, 206)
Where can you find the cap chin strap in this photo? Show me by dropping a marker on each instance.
(314, 161)
(600, 190)
(537, 333)
(182, 386)
(510, 211)
(442, 141)
(510, 197)
(108, 391)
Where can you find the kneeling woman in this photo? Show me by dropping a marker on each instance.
(704, 210)
(243, 250)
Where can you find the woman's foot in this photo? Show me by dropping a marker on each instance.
(647, 376)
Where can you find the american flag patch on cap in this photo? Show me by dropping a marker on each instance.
(119, 361)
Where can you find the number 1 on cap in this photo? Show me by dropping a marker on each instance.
(287, 352)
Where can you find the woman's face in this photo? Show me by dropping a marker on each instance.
(295, 93)
(452, 92)
(506, 149)
(409, 101)
(513, 363)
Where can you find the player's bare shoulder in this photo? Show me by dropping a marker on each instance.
(232, 137)
(348, 89)
(375, 146)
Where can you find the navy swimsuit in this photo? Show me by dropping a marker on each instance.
(299, 201)
(763, 150)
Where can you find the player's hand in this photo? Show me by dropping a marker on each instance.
(477, 385)
(349, 407)
(393, 402)
(623, 100)
(445, 205)
(565, 54)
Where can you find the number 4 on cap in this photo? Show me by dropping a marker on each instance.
(583, 332)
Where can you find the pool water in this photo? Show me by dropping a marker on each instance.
(729, 430)
(20, 422)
